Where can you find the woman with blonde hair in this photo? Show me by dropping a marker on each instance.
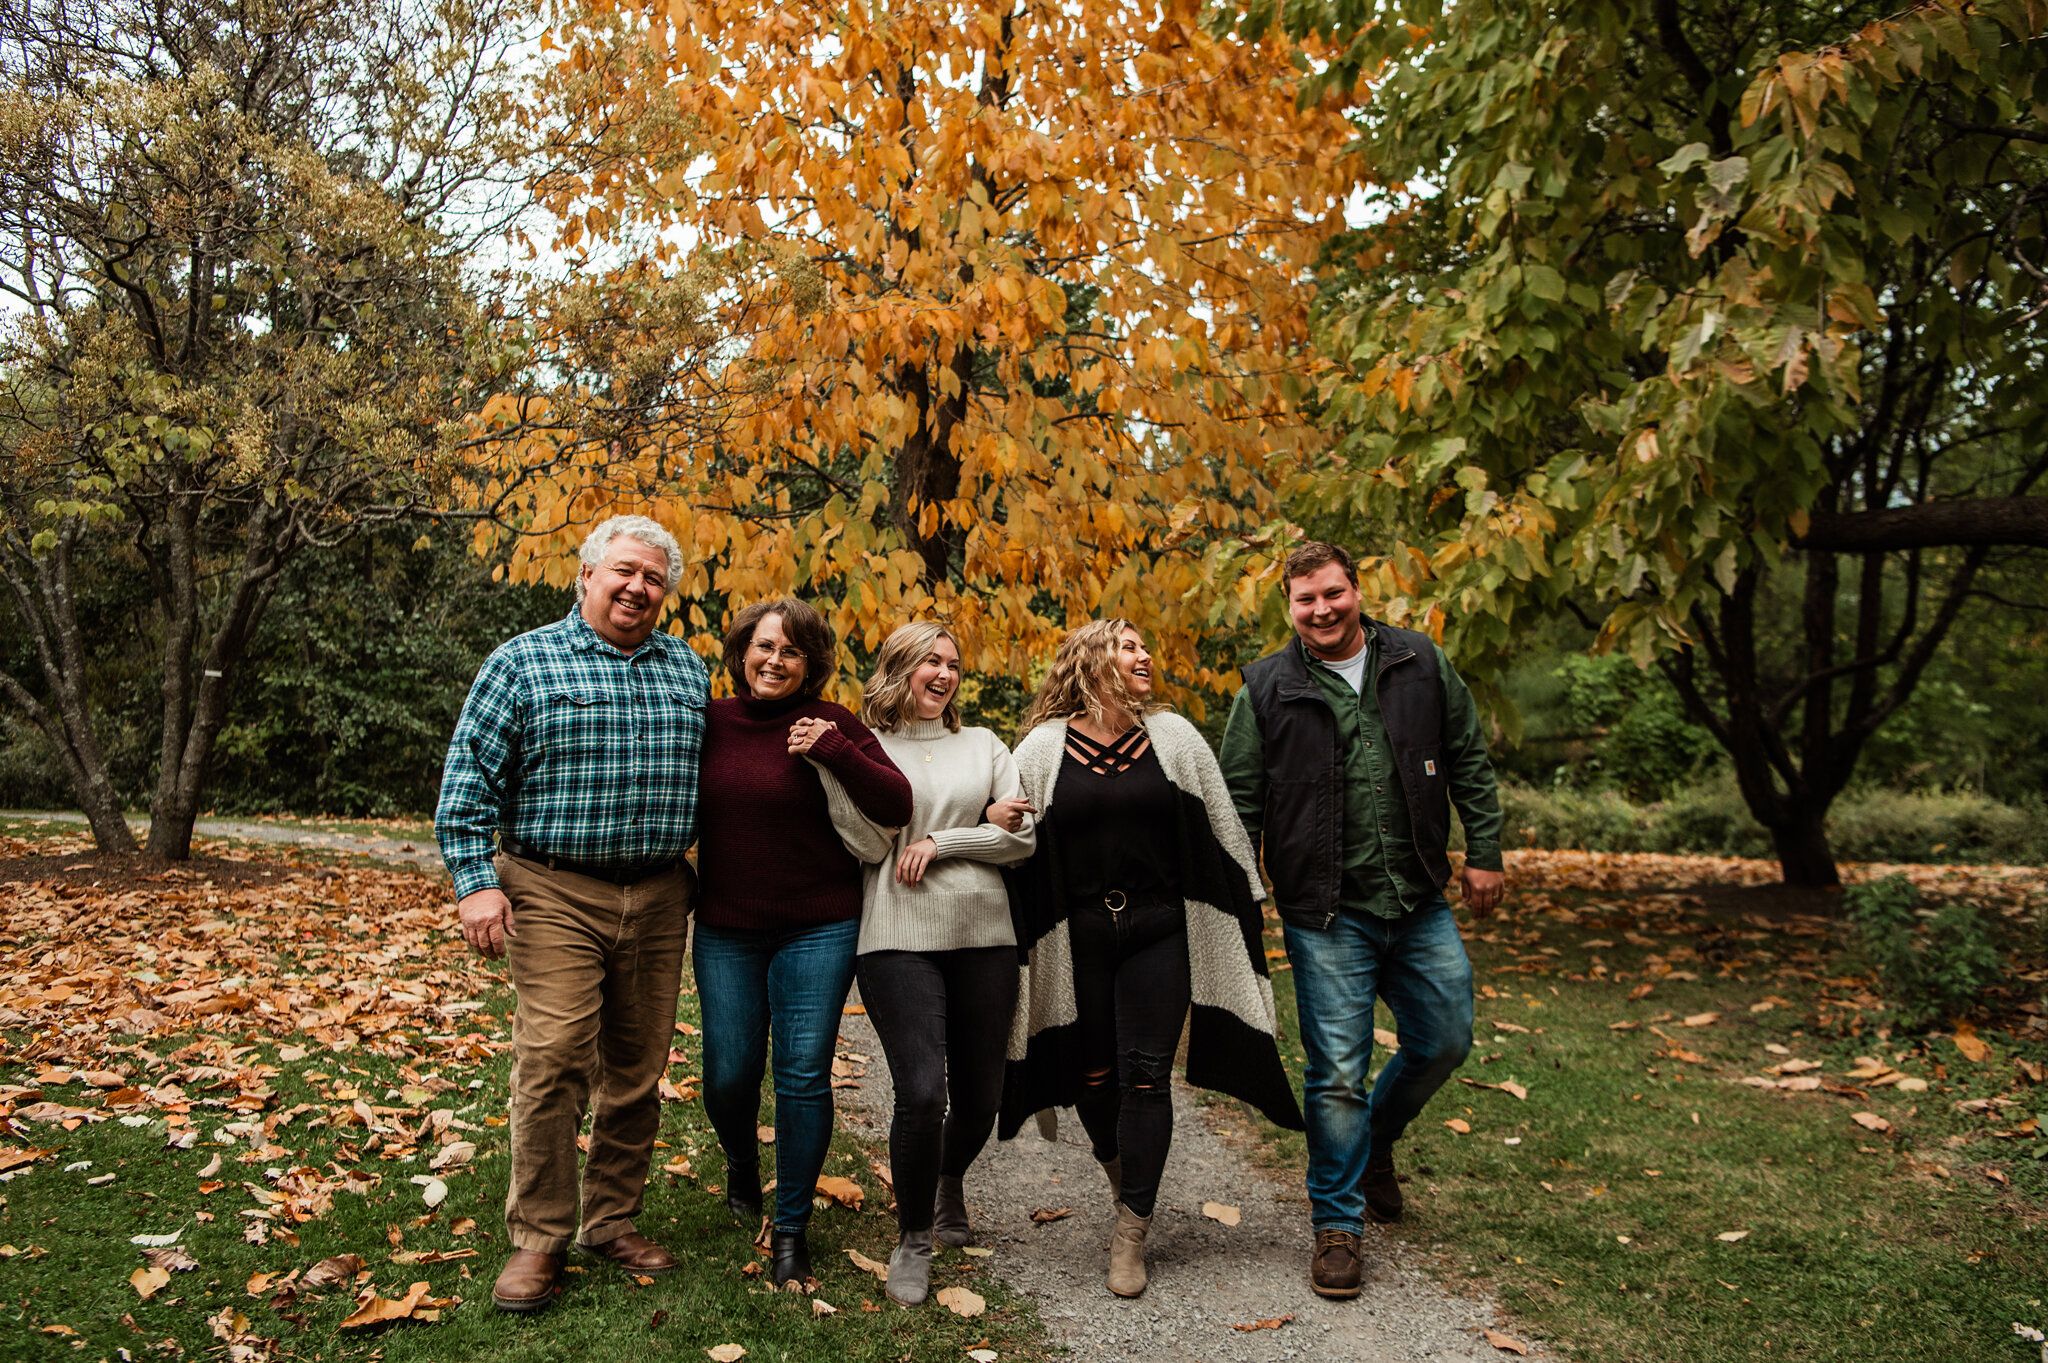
(938, 957)
(1139, 907)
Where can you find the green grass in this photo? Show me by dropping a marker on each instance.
(70, 1259)
(74, 1259)
(1599, 1227)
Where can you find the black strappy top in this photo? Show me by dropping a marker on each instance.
(1114, 811)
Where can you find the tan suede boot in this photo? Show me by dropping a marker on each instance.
(1127, 1252)
(1113, 1170)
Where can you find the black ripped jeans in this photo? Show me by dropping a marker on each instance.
(944, 1021)
(1131, 993)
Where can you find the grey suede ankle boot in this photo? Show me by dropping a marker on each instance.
(1113, 1170)
(1127, 1252)
(949, 1215)
(910, 1269)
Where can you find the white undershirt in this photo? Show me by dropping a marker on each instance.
(1351, 669)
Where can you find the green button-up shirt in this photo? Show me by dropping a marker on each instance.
(1382, 873)
(573, 747)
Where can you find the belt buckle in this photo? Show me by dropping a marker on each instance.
(1121, 901)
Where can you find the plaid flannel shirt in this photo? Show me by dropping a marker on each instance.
(573, 747)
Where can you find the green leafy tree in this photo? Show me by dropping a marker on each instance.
(1691, 316)
(234, 235)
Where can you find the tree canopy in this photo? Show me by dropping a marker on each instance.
(236, 236)
(1673, 308)
(1006, 307)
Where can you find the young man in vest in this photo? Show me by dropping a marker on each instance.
(1344, 752)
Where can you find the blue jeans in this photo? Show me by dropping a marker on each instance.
(793, 983)
(1418, 965)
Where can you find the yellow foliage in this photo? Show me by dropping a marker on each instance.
(1013, 308)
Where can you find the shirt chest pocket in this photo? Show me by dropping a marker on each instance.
(682, 714)
(578, 721)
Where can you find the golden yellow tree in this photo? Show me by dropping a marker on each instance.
(1008, 319)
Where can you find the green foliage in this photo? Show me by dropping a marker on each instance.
(351, 688)
(346, 704)
(1708, 817)
(1932, 969)
(237, 244)
(1647, 744)
(1668, 299)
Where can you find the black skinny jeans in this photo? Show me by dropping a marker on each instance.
(1131, 994)
(944, 1020)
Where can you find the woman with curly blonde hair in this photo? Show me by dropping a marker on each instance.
(938, 957)
(1139, 907)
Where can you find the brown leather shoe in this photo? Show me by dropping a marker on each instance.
(528, 1280)
(1338, 1268)
(1382, 1186)
(635, 1253)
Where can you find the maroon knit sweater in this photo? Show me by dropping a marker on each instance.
(767, 854)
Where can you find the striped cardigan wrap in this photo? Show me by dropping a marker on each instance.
(1231, 1046)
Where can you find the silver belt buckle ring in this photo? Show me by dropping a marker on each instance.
(1120, 901)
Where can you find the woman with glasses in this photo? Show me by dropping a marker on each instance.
(779, 902)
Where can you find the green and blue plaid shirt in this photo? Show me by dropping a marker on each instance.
(573, 747)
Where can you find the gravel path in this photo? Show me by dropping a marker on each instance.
(423, 853)
(1205, 1277)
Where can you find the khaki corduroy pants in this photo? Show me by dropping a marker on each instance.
(596, 967)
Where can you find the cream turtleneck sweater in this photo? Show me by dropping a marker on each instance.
(961, 901)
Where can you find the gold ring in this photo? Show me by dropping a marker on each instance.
(1118, 906)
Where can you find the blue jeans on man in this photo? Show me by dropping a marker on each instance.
(1417, 963)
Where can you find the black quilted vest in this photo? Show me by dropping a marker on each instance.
(1304, 816)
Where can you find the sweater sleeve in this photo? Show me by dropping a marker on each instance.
(852, 753)
(986, 841)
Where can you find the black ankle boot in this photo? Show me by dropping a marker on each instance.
(790, 1257)
(743, 1195)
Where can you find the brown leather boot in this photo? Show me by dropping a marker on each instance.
(528, 1280)
(1381, 1185)
(635, 1253)
(1338, 1268)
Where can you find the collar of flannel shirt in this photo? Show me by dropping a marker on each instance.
(583, 638)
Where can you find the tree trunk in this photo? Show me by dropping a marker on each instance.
(1804, 857)
(41, 586)
(195, 707)
(927, 470)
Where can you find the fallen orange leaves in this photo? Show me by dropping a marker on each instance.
(372, 1309)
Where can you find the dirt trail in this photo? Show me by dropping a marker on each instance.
(1206, 1277)
(404, 851)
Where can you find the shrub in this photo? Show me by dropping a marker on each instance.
(1929, 972)
(1709, 818)
(1880, 824)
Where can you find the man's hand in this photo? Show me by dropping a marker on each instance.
(486, 921)
(1481, 889)
(910, 867)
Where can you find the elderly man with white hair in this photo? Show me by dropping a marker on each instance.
(567, 802)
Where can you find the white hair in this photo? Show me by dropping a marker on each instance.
(638, 528)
